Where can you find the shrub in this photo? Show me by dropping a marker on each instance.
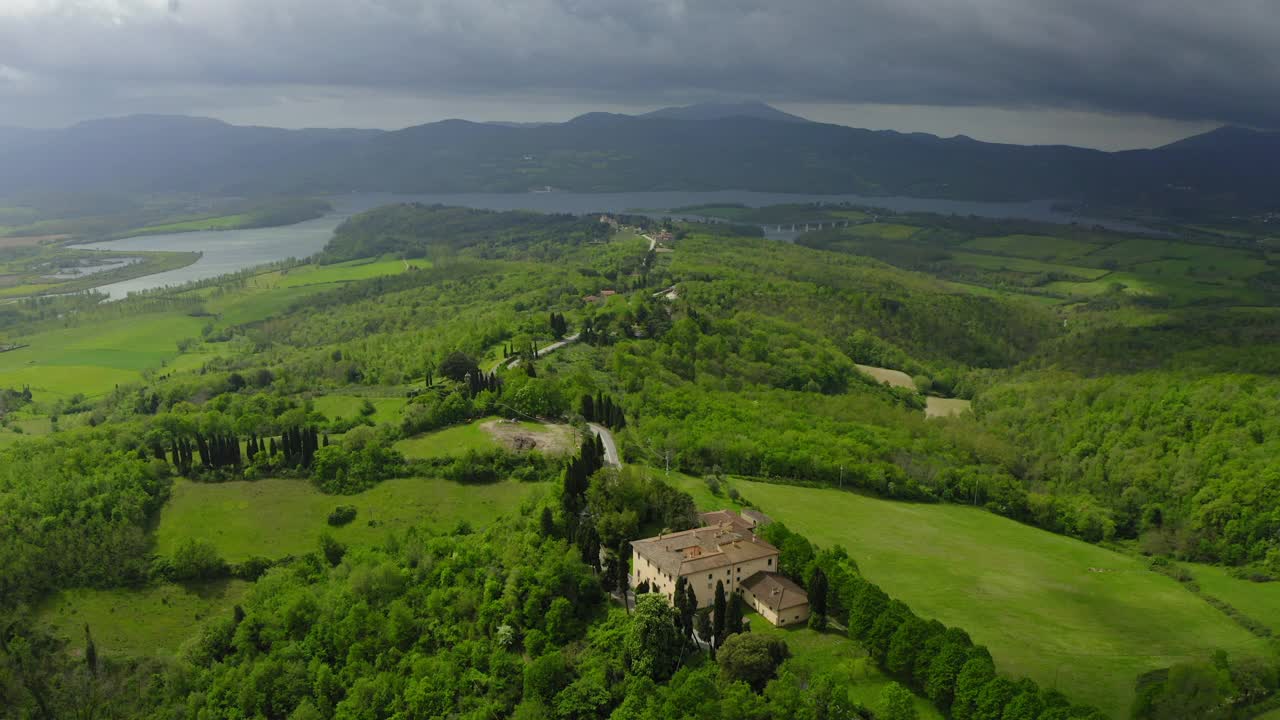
(197, 559)
(251, 569)
(342, 515)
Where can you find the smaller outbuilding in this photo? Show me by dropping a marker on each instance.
(776, 598)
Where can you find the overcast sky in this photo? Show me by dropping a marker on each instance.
(1104, 73)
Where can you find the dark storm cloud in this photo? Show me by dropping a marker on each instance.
(1172, 58)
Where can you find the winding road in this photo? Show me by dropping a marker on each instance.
(611, 457)
(515, 361)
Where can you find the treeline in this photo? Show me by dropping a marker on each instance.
(74, 511)
(939, 662)
(602, 409)
(414, 230)
(1183, 463)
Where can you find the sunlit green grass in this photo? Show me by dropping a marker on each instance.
(1040, 247)
(278, 517)
(1259, 601)
(887, 231)
(223, 222)
(149, 622)
(1063, 612)
(1024, 265)
(94, 357)
(386, 409)
(456, 440)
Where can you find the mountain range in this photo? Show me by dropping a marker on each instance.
(748, 146)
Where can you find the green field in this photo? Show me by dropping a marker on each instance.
(1137, 251)
(1260, 601)
(94, 358)
(1041, 247)
(456, 440)
(149, 622)
(279, 517)
(347, 271)
(1063, 612)
(1024, 265)
(223, 222)
(884, 231)
(348, 406)
(835, 653)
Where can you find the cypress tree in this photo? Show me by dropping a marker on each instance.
(733, 619)
(718, 618)
(90, 652)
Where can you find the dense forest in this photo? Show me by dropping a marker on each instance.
(731, 356)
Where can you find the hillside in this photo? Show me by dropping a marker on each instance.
(369, 437)
(705, 147)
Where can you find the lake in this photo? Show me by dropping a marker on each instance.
(229, 251)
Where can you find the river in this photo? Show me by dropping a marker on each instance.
(228, 251)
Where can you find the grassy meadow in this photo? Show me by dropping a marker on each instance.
(1065, 264)
(1038, 247)
(279, 517)
(94, 357)
(1259, 601)
(149, 622)
(1063, 612)
(386, 409)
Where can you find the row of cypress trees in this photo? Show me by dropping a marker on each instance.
(602, 409)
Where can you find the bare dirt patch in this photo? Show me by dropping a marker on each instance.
(526, 436)
(896, 378)
(945, 407)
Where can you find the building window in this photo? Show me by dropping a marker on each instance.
(708, 576)
(770, 562)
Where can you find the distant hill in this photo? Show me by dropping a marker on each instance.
(720, 111)
(704, 147)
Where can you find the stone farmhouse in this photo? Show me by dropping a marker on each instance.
(725, 549)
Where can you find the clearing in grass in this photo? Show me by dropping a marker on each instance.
(278, 517)
(149, 622)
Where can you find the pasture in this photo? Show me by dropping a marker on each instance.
(279, 517)
(1048, 248)
(1259, 601)
(452, 441)
(221, 222)
(883, 231)
(1066, 613)
(148, 622)
(386, 409)
(93, 358)
(1024, 265)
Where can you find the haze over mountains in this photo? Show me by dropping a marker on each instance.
(701, 147)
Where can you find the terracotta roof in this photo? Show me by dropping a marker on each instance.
(775, 591)
(756, 517)
(725, 517)
(702, 549)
